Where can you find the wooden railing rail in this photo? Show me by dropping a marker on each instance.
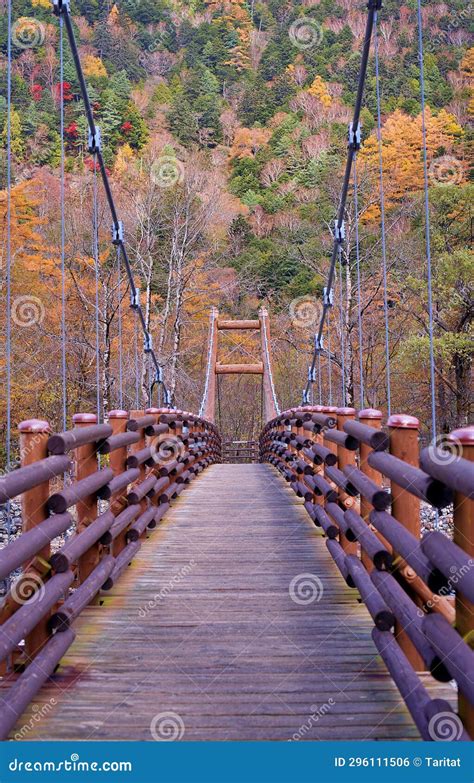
(240, 451)
(363, 485)
(119, 481)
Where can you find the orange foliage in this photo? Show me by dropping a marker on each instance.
(248, 141)
(402, 149)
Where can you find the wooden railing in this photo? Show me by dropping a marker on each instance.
(364, 486)
(240, 451)
(103, 487)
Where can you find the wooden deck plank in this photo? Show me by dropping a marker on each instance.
(223, 645)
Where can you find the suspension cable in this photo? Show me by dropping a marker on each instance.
(120, 336)
(219, 412)
(343, 340)
(329, 357)
(320, 384)
(427, 225)
(61, 8)
(135, 341)
(95, 228)
(8, 347)
(63, 226)
(353, 146)
(359, 302)
(266, 355)
(209, 359)
(382, 218)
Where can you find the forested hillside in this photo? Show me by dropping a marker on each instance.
(224, 126)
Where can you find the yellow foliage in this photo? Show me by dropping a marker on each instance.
(467, 63)
(402, 149)
(93, 67)
(237, 18)
(320, 91)
(124, 157)
(113, 16)
(25, 239)
(467, 69)
(41, 4)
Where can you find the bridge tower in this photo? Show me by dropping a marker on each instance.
(215, 368)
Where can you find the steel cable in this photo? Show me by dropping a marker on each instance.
(343, 340)
(373, 5)
(62, 9)
(8, 335)
(95, 243)
(427, 226)
(269, 366)
(120, 335)
(63, 228)
(382, 219)
(359, 297)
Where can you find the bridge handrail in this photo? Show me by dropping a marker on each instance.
(171, 448)
(406, 583)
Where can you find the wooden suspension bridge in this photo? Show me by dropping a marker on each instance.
(166, 585)
(278, 600)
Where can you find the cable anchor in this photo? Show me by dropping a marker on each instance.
(340, 232)
(328, 297)
(117, 233)
(94, 142)
(59, 6)
(135, 299)
(147, 343)
(355, 136)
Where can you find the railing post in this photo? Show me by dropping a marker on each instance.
(327, 443)
(464, 538)
(86, 463)
(138, 446)
(403, 433)
(319, 469)
(34, 436)
(156, 412)
(345, 457)
(371, 418)
(118, 458)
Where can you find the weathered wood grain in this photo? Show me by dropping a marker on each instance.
(222, 644)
